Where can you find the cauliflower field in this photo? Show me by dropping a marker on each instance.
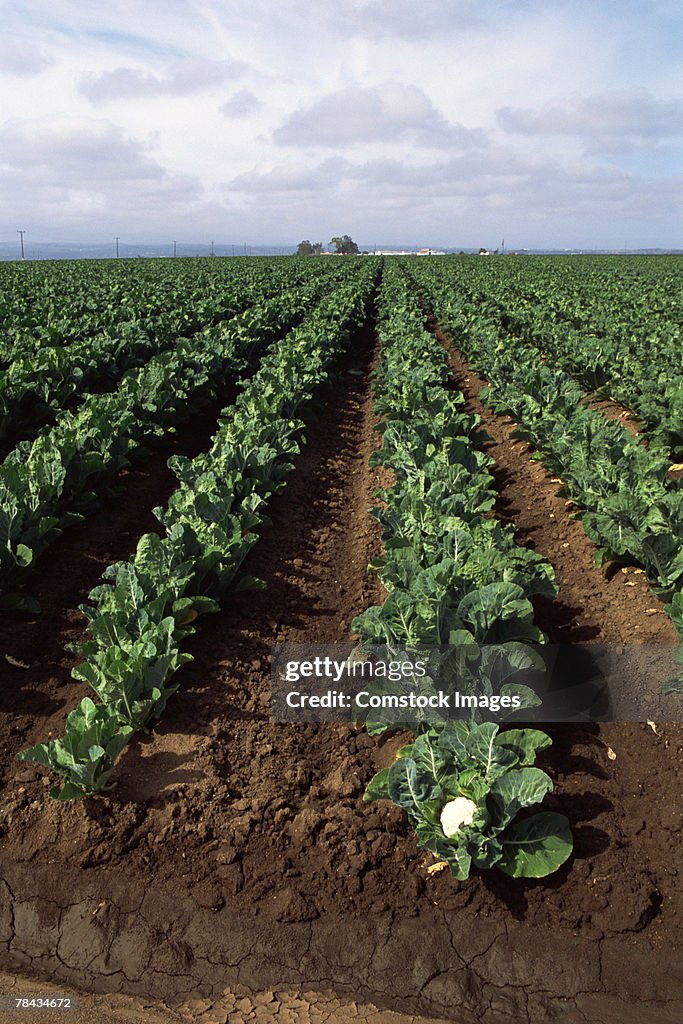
(205, 459)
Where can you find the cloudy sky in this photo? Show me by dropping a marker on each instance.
(437, 122)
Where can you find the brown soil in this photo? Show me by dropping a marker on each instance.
(613, 410)
(530, 497)
(236, 1005)
(69, 570)
(235, 852)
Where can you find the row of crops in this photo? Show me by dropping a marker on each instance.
(70, 331)
(616, 333)
(455, 578)
(58, 477)
(630, 504)
(144, 611)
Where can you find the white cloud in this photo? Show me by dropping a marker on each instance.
(407, 19)
(186, 77)
(18, 60)
(390, 112)
(392, 120)
(240, 104)
(283, 178)
(67, 172)
(75, 152)
(608, 122)
(461, 196)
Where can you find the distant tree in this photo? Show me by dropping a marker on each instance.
(305, 248)
(345, 246)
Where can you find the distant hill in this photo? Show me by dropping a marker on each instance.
(94, 250)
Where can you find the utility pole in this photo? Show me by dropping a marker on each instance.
(233, 250)
(117, 246)
(175, 249)
(212, 252)
(245, 248)
(21, 235)
(502, 245)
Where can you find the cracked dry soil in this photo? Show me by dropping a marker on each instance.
(235, 855)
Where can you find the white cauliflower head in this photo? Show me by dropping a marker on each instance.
(457, 813)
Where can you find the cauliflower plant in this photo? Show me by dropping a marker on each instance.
(457, 813)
